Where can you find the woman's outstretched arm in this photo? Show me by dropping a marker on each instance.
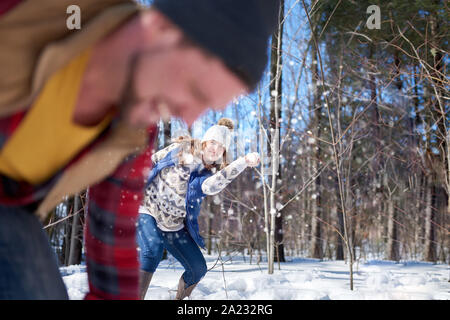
(223, 178)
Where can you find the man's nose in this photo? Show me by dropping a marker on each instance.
(189, 121)
(192, 114)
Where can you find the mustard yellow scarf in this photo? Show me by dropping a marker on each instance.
(47, 139)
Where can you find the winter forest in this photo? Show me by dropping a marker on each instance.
(351, 122)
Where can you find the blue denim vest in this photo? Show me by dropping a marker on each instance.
(194, 194)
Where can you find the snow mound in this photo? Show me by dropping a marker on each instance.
(298, 279)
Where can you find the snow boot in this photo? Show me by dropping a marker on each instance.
(184, 292)
(144, 281)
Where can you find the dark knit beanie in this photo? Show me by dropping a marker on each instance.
(237, 31)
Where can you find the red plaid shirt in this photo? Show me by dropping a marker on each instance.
(110, 234)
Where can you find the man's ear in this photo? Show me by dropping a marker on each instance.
(159, 29)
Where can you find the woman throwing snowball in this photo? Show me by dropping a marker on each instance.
(183, 174)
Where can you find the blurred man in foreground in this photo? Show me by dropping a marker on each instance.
(78, 109)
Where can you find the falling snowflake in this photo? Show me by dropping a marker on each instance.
(311, 140)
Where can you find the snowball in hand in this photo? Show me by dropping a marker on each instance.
(252, 159)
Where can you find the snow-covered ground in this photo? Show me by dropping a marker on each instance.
(298, 279)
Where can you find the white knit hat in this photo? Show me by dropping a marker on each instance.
(220, 134)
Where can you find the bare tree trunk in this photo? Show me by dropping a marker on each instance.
(167, 132)
(441, 111)
(316, 212)
(448, 175)
(67, 232)
(418, 210)
(430, 240)
(276, 90)
(167, 127)
(420, 176)
(263, 178)
(340, 243)
(393, 242)
(75, 241)
(209, 221)
(275, 112)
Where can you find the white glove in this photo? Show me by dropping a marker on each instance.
(252, 159)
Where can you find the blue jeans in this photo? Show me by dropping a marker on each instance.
(28, 265)
(152, 240)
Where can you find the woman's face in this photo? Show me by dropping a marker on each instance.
(212, 151)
